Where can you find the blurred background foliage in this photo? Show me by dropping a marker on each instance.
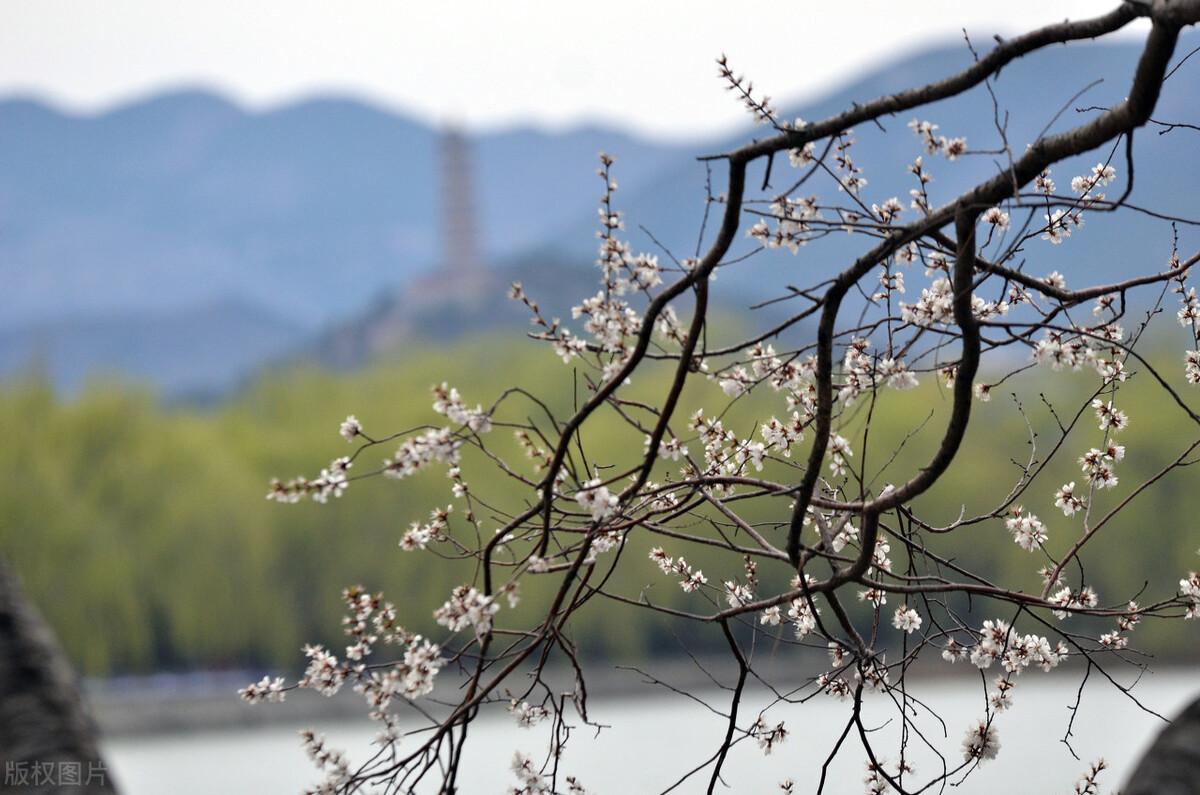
(141, 531)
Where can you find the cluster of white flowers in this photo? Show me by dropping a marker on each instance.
(874, 674)
(1044, 183)
(422, 661)
(935, 306)
(415, 453)
(610, 320)
(446, 400)
(324, 673)
(850, 177)
(1059, 225)
(658, 498)
(414, 676)
(1067, 597)
(1191, 366)
(1110, 418)
(419, 536)
(440, 445)
(526, 714)
(1093, 350)
(1097, 464)
(880, 562)
(724, 452)
(794, 378)
(369, 619)
(996, 217)
(360, 605)
(767, 736)
(604, 541)
(1027, 530)
(861, 372)
(691, 579)
(951, 148)
(331, 482)
(597, 500)
(1001, 697)
(888, 211)
(350, 429)
(467, 607)
(839, 451)
(920, 203)
(331, 760)
(529, 778)
(1061, 222)
(1189, 312)
(800, 614)
(806, 154)
(834, 686)
(1102, 174)
(537, 454)
(981, 742)
(670, 449)
(906, 619)
(568, 347)
(1066, 500)
(896, 374)
(996, 640)
(1189, 589)
(780, 435)
(738, 594)
(835, 531)
(794, 221)
(875, 782)
(890, 281)
(736, 381)
(266, 689)
(608, 317)
(833, 683)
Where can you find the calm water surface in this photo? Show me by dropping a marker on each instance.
(657, 736)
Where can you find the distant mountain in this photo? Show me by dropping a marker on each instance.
(668, 211)
(1031, 92)
(119, 230)
(309, 210)
(308, 214)
(200, 352)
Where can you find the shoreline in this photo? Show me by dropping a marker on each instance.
(133, 707)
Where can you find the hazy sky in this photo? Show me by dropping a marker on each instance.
(645, 64)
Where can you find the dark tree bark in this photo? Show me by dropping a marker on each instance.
(47, 737)
(1172, 765)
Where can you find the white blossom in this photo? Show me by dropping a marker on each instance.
(906, 619)
(597, 500)
(350, 428)
(266, 689)
(467, 607)
(1067, 501)
(981, 742)
(1027, 530)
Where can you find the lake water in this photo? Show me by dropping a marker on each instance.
(657, 736)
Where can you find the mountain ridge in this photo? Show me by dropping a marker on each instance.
(313, 211)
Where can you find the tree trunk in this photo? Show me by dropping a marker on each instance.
(1172, 764)
(47, 737)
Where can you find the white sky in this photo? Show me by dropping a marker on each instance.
(641, 64)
